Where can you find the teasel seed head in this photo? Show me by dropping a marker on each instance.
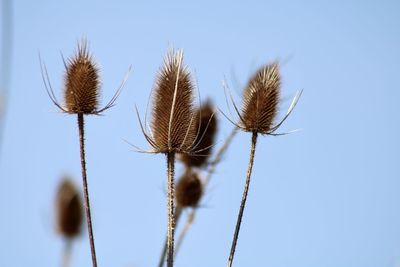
(189, 189)
(173, 125)
(261, 99)
(69, 209)
(207, 122)
(82, 83)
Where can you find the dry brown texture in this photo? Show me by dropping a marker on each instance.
(261, 98)
(173, 123)
(82, 85)
(205, 137)
(69, 210)
(189, 190)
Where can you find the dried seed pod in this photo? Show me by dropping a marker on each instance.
(205, 136)
(82, 83)
(260, 100)
(189, 190)
(173, 125)
(69, 210)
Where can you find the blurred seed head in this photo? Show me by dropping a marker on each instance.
(69, 209)
(261, 99)
(82, 83)
(173, 124)
(189, 189)
(206, 120)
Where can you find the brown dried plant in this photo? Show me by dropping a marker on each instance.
(81, 97)
(260, 107)
(173, 127)
(206, 121)
(69, 215)
(205, 139)
(189, 189)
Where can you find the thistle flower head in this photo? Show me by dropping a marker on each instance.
(207, 123)
(260, 100)
(82, 83)
(69, 209)
(173, 120)
(189, 190)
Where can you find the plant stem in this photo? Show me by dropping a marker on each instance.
(218, 156)
(189, 222)
(81, 127)
(178, 212)
(244, 198)
(67, 253)
(171, 216)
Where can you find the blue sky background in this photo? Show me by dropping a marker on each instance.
(325, 197)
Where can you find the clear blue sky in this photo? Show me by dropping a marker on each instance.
(327, 196)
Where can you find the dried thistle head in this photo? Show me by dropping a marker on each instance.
(261, 99)
(82, 82)
(69, 209)
(260, 102)
(207, 123)
(189, 190)
(173, 121)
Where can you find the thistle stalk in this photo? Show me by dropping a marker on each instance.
(67, 253)
(244, 198)
(171, 216)
(81, 128)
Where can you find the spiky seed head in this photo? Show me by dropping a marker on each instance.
(82, 82)
(173, 124)
(260, 100)
(69, 209)
(206, 120)
(189, 190)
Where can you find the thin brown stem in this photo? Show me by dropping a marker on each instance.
(218, 156)
(171, 216)
(190, 218)
(81, 127)
(189, 222)
(244, 198)
(211, 170)
(178, 212)
(67, 253)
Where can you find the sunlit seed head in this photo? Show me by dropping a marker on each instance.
(261, 99)
(82, 82)
(173, 124)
